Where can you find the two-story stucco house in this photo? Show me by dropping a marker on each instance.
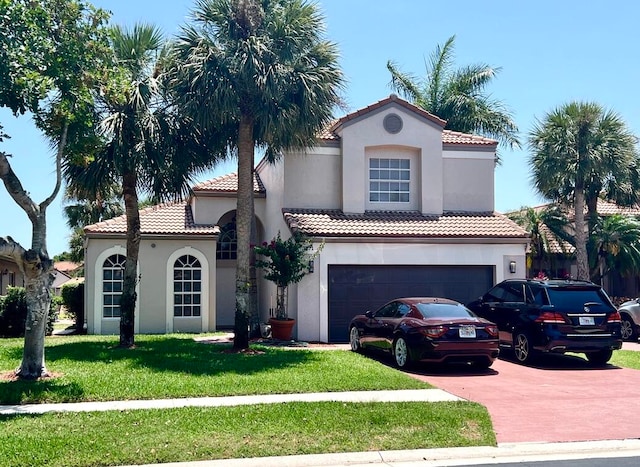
(404, 208)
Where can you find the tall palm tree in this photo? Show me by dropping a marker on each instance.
(616, 245)
(261, 69)
(146, 145)
(580, 152)
(457, 95)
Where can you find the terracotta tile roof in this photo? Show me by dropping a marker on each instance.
(170, 218)
(448, 136)
(228, 184)
(455, 137)
(382, 103)
(554, 244)
(605, 208)
(335, 223)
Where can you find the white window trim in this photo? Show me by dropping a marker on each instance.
(204, 295)
(97, 291)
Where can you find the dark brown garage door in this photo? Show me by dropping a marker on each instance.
(356, 289)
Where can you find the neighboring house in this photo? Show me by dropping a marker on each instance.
(10, 275)
(558, 260)
(403, 207)
(67, 267)
(59, 279)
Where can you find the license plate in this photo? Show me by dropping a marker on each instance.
(467, 331)
(586, 320)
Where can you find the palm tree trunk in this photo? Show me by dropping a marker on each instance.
(129, 296)
(244, 215)
(582, 260)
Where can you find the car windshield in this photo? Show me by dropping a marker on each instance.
(566, 298)
(443, 310)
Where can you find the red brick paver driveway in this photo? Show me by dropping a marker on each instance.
(559, 399)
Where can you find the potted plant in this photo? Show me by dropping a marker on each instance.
(284, 262)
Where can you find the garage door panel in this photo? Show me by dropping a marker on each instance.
(356, 289)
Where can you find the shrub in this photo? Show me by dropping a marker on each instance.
(13, 313)
(73, 299)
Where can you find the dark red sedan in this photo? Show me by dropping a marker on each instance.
(426, 329)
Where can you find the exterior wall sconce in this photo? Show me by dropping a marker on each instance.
(512, 267)
(311, 266)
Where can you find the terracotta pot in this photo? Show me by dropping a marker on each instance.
(281, 329)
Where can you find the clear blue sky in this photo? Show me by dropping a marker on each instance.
(550, 52)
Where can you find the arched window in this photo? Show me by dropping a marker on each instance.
(187, 286)
(227, 241)
(112, 275)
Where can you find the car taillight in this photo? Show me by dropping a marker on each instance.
(550, 317)
(435, 331)
(614, 318)
(492, 330)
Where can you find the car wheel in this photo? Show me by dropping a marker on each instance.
(628, 329)
(354, 339)
(522, 348)
(401, 352)
(599, 358)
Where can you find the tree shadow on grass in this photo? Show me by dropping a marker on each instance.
(179, 355)
(26, 392)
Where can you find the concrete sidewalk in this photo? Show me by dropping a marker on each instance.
(408, 395)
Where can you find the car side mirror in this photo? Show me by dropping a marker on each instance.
(368, 314)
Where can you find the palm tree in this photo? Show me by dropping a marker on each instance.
(261, 69)
(146, 146)
(616, 246)
(580, 152)
(547, 228)
(457, 95)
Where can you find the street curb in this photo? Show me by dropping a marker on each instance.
(512, 453)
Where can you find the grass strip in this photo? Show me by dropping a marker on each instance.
(191, 434)
(92, 368)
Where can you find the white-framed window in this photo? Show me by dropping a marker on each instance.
(389, 180)
(112, 276)
(187, 287)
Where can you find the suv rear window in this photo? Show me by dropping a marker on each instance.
(570, 298)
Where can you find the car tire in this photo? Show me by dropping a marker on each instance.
(599, 358)
(401, 353)
(354, 339)
(628, 329)
(522, 350)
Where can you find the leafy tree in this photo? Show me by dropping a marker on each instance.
(615, 244)
(457, 95)
(261, 70)
(49, 62)
(144, 145)
(581, 152)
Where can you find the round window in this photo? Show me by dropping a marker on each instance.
(392, 123)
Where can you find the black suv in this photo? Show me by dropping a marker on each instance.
(555, 316)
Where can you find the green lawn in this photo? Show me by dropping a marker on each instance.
(92, 368)
(626, 358)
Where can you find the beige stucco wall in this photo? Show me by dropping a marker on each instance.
(468, 181)
(418, 135)
(154, 308)
(312, 179)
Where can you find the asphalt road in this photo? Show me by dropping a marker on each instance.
(559, 399)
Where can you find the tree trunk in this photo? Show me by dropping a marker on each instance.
(39, 278)
(582, 259)
(35, 263)
(130, 279)
(244, 215)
